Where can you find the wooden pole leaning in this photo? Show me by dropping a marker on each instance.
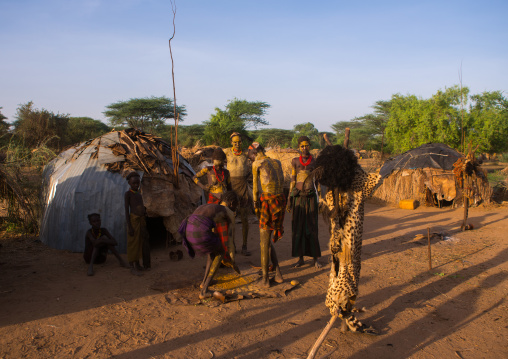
(430, 254)
(322, 337)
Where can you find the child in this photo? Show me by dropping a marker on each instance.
(97, 243)
(137, 239)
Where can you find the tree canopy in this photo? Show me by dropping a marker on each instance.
(4, 126)
(272, 137)
(238, 116)
(80, 129)
(487, 124)
(147, 114)
(36, 126)
(306, 129)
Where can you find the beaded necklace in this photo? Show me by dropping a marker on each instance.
(98, 235)
(237, 152)
(217, 175)
(306, 163)
(135, 192)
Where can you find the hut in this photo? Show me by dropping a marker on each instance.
(90, 178)
(425, 174)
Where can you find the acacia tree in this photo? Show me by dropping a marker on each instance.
(147, 113)
(238, 116)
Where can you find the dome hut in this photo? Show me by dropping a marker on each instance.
(90, 178)
(425, 174)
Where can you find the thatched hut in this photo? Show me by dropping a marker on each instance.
(90, 177)
(425, 174)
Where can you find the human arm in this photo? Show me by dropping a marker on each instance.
(203, 172)
(107, 238)
(292, 184)
(255, 186)
(127, 213)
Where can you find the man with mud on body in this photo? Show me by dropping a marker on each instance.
(303, 201)
(269, 204)
(240, 170)
(201, 234)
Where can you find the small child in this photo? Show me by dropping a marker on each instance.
(97, 243)
(137, 239)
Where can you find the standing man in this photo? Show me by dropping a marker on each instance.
(240, 171)
(303, 201)
(269, 204)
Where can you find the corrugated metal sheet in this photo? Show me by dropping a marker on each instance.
(76, 184)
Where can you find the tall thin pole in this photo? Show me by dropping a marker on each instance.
(174, 145)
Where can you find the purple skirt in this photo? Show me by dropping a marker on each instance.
(198, 237)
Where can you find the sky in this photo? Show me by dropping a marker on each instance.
(312, 61)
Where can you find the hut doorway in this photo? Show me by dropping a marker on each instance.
(159, 235)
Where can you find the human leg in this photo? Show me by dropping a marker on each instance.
(278, 275)
(211, 273)
(95, 252)
(244, 215)
(122, 262)
(264, 237)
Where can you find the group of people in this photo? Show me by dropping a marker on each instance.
(209, 231)
(99, 241)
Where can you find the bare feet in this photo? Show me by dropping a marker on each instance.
(317, 264)
(278, 275)
(245, 252)
(204, 295)
(300, 263)
(264, 282)
(90, 272)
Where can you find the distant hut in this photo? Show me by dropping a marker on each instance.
(90, 177)
(425, 174)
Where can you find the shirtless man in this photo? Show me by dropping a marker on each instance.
(269, 204)
(303, 201)
(137, 238)
(240, 171)
(200, 235)
(217, 177)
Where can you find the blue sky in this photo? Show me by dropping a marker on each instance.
(319, 62)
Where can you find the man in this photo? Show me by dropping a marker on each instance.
(202, 232)
(304, 203)
(269, 204)
(240, 171)
(217, 177)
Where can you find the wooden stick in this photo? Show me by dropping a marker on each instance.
(321, 338)
(346, 138)
(327, 140)
(430, 254)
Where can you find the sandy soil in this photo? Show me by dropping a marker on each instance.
(51, 309)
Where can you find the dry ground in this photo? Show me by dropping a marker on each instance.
(51, 309)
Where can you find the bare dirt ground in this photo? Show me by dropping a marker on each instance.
(51, 309)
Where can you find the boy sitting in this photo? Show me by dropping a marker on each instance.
(98, 241)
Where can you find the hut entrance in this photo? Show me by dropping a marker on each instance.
(159, 235)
